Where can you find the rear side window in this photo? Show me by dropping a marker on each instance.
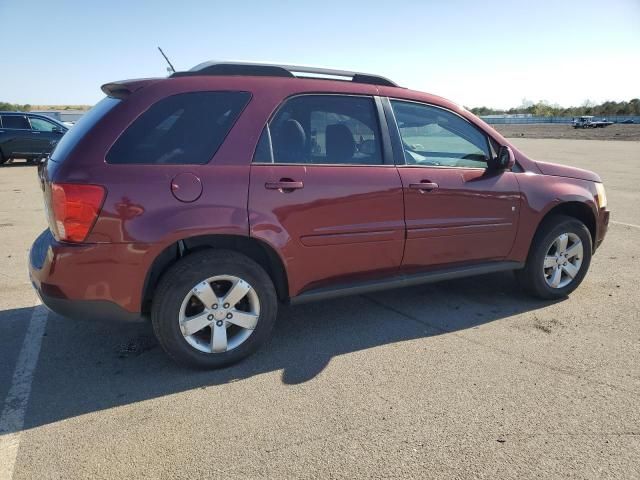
(182, 129)
(15, 121)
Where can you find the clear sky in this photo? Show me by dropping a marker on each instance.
(493, 52)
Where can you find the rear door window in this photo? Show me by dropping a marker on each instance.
(324, 130)
(16, 122)
(187, 128)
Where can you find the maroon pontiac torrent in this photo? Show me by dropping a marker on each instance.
(204, 199)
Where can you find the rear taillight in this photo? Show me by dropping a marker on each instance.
(74, 209)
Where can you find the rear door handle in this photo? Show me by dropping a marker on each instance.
(285, 185)
(424, 186)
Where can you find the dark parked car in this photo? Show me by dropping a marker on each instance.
(28, 135)
(204, 199)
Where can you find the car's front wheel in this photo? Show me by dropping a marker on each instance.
(559, 258)
(213, 308)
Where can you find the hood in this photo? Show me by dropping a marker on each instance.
(566, 171)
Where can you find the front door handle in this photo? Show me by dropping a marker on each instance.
(285, 185)
(424, 186)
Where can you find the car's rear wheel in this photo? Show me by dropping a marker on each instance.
(559, 258)
(3, 159)
(213, 308)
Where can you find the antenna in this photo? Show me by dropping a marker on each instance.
(170, 68)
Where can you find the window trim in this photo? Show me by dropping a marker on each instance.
(400, 158)
(385, 143)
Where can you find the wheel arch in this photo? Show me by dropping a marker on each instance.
(257, 250)
(576, 209)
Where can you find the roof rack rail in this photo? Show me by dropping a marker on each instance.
(276, 70)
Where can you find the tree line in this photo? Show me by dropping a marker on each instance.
(14, 107)
(544, 109)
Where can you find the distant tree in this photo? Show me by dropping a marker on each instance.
(485, 111)
(543, 109)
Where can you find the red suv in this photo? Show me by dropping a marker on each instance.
(204, 199)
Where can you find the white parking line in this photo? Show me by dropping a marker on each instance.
(15, 405)
(625, 224)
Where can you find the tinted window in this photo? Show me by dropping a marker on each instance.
(324, 129)
(433, 136)
(42, 125)
(182, 129)
(15, 121)
(70, 139)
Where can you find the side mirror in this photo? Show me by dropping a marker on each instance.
(56, 130)
(506, 159)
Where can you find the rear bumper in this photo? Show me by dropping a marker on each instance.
(85, 281)
(99, 310)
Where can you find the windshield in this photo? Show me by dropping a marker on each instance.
(70, 139)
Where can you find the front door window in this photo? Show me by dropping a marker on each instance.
(432, 136)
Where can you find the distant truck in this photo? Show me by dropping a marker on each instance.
(587, 121)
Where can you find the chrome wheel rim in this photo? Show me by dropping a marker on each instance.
(563, 260)
(219, 314)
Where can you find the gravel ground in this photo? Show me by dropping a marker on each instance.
(463, 379)
(551, 130)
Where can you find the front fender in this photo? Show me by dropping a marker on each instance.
(540, 195)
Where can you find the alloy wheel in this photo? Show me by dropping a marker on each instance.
(563, 260)
(219, 314)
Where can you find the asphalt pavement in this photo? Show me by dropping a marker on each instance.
(462, 379)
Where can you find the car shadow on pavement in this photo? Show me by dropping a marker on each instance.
(87, 367)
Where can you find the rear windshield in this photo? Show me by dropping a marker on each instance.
(70, 139)
(187, 128)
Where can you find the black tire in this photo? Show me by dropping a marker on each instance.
(3, 159)
(532, 277)
(182, 277)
